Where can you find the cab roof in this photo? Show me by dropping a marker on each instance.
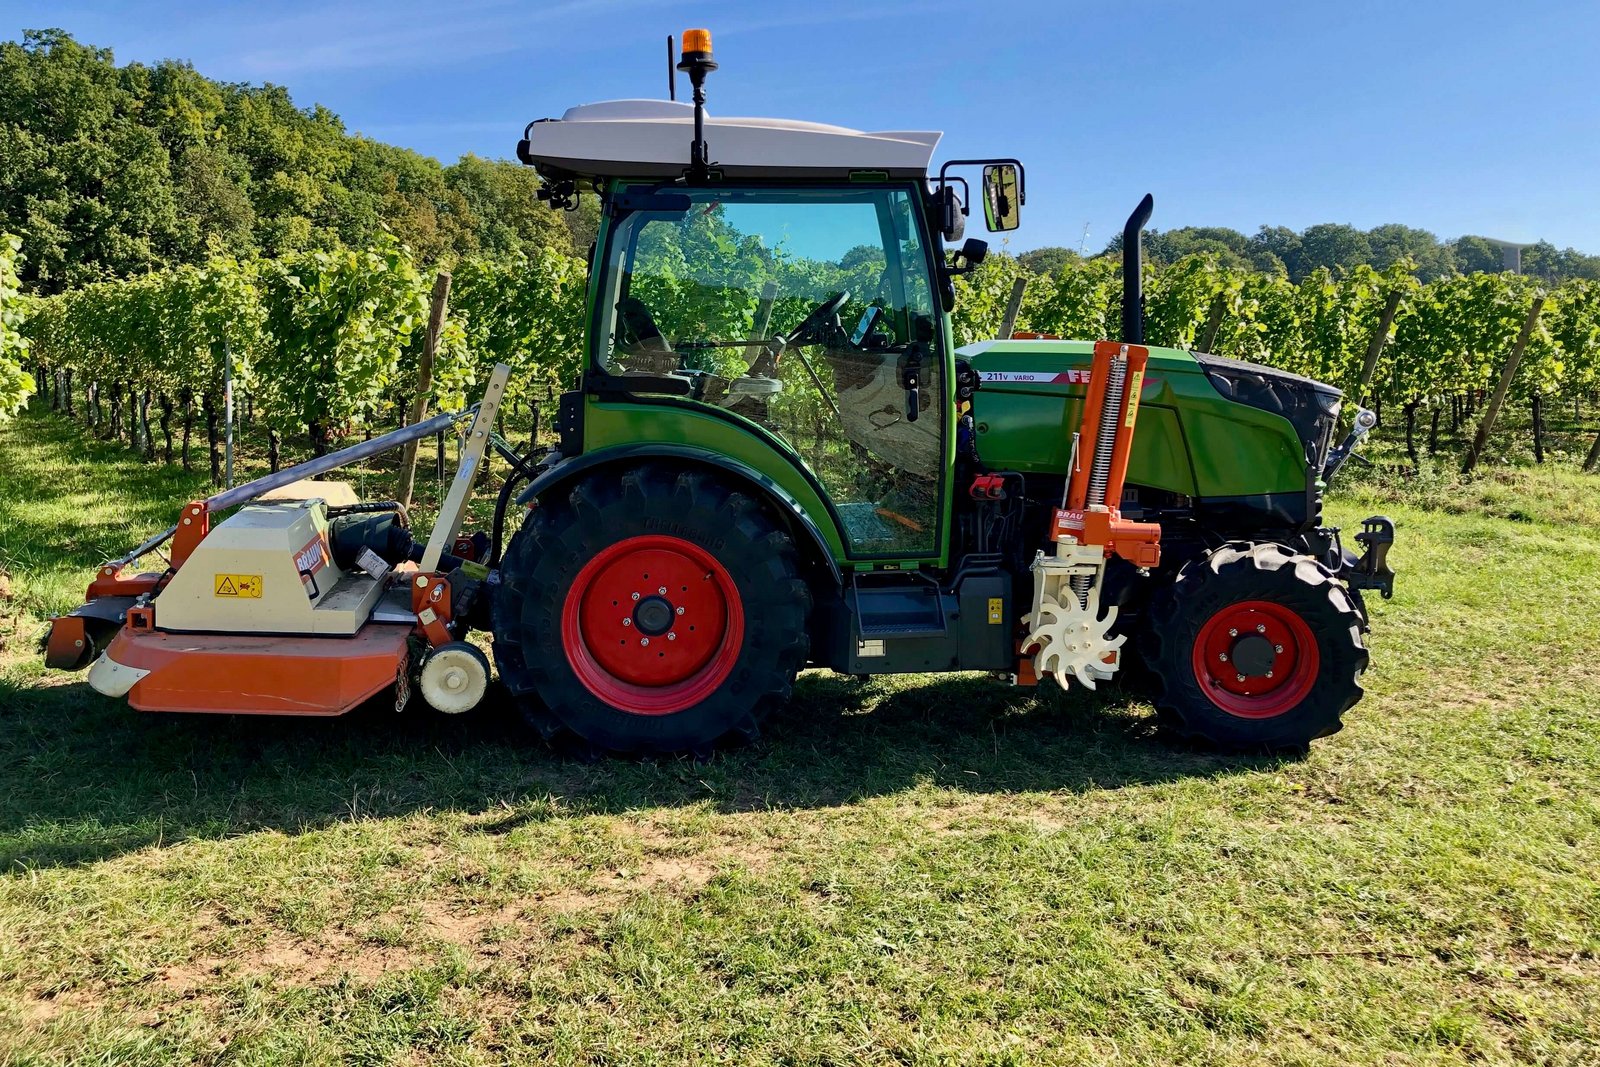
(650, 139)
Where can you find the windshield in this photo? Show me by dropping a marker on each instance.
(807, 310)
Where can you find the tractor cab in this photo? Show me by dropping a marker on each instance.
(806, 311)
(796, 287)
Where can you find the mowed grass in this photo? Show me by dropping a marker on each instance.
(915, 870)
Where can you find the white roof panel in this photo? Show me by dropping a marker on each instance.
(650, 138)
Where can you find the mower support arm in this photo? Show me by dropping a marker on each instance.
(241, 494)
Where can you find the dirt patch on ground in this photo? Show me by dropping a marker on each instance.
(440, 921)
(653, 860)
(41, 1011)
(292, 962)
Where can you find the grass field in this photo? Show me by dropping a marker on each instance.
(907, 870)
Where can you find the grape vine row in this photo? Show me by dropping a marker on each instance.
(326, 343)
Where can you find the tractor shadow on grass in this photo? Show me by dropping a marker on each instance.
(86, 779)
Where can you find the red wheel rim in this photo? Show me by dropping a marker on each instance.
(1256, 659)
(652, 625)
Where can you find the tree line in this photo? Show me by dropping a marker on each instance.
(111, 171)
(1335, 246)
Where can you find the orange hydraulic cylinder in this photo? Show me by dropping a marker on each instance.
(1098, 521)
(1135, 358)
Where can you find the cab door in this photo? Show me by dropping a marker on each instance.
(809, 312)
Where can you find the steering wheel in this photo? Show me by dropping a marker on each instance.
(828, 309)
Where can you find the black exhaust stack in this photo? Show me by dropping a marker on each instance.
(1133, 272)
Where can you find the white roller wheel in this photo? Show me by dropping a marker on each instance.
(454, 677)
(1072, 640)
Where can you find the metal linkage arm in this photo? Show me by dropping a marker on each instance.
(448, 523)
(240, 494)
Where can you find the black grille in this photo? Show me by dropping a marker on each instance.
(1311, 407)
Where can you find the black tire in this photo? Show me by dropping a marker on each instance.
(755, 577)
(1319, 656)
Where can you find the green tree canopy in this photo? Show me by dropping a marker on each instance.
(108, 171)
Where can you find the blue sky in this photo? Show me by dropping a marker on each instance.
(1464, 117)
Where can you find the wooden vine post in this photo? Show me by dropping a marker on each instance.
(1380, 337)
(419, 402)
(1492, 412)
(1013, 308)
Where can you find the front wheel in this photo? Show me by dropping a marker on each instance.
(1255, 647)
(655, 610)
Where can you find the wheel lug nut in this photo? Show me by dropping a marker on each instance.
(1223, 656)
(662, 591)
(1233, 632)
(1277, 648)
(1269, 674)
(636, 596)
(680, 611)
(1238, 677)
(644, 640)
(1261, 627)
(627, 622)
(671, 636)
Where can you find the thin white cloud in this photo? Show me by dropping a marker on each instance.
(386, 36)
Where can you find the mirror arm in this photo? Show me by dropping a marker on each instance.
(1022, 182)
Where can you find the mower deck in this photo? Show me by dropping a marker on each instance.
(252, 675)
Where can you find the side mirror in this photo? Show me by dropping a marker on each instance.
(1002, 197)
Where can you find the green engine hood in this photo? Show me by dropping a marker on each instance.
(1191, 439)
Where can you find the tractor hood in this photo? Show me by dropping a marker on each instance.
(1209, 426)
(1312, 407)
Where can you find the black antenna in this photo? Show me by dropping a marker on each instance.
(697, 63)
(672, 77)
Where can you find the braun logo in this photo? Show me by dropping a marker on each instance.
(312, 558)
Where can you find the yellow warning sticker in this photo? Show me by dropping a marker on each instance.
(1133, 397)
(240, 585)
(996, 607)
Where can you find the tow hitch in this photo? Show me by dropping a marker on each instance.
(1372, 570)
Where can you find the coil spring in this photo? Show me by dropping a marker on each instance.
(1104, 445)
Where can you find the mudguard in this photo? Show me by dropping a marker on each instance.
(566, 470)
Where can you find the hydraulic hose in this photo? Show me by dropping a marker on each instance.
(373, 507)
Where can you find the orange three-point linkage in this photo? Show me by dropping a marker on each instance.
(1105, 440)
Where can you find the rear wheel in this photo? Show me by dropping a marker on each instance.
(1256, 647)
(656, 611)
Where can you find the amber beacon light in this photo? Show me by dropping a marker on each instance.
(696, 62)
(696, 42)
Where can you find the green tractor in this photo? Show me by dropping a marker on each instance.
(777, 458)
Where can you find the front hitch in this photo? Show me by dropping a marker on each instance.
(1372, 570)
